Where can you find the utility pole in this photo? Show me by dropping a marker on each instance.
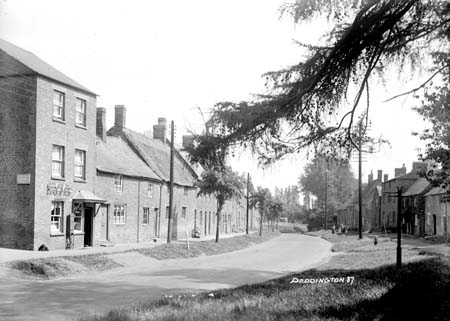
(326, 195)
(360, 227)
(246, 219)
(169, 222)
(399, 225)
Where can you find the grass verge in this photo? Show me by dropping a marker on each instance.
(52, 267)
(179, 250)
(419, 291)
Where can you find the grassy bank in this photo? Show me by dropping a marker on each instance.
(419, 291)
(198, 248)
(52, 267)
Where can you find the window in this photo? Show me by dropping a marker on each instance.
(150, 190)
(185, 191)
(201, 217)
(56, 217)
(80, 112)
(58, 105)
(118, 183)
(146, 216)
(58, 161)
(119, 214)
(80, 164)
(428, 219)
(167, 211)
(183, 212)
(77, 218)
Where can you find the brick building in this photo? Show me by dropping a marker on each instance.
(47, 154)
(67, 182)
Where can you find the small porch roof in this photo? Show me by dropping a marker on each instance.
(87, 197)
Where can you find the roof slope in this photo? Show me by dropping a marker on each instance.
(436, 191)
(157, 155)
(39, 66)
(116, 156)
(420, 186)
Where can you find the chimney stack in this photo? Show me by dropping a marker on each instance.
(380, 175)
(101, 123)
(119, 116)
(370, 178)
(385, 177)
(188, 141)
(160, 130)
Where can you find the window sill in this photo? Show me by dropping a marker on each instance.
(80, 126)
(119, 224)
(58, 178)
(78, 233)
(59, 120)
(79, 180)
(55, 234)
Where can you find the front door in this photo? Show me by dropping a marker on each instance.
(434, 224)
(88, 221)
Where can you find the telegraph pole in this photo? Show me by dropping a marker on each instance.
(246, 219)
(399, 225)
(169, 222)
(326, 196)
(360, 180)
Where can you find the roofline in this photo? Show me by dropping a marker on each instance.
(129, 175)
(65, 84)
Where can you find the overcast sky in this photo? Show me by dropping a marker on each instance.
(167, 58)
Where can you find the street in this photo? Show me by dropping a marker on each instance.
(142, 278)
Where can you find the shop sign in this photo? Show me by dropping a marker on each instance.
(60, 189)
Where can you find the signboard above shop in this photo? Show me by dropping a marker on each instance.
(59, 189)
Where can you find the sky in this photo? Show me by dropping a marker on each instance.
(170, 58)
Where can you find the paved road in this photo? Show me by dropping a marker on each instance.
(144, 278)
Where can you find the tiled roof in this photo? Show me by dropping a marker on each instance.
(420, 186)
(157, 155)
(38, 66)
(410, 176)
(436, 191)
(116, 156)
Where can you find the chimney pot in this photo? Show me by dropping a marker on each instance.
(101, 123)
(119, 116)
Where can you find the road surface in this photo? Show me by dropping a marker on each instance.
(143, 278)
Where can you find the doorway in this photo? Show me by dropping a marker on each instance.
(434, 224)
(88, 221)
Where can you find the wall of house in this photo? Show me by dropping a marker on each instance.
(433, 206)
(135, 197)
(17, 141)
(64, 133)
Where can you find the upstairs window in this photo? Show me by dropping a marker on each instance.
(59, 102)
(118, 183)
(183, 212)
(150, 190)
(185, 191)
(80, 112)
(80, 164)
(58, 161)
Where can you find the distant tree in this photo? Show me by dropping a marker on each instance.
(260, 199)
(274, 210)
(340, 179)
(224, 184)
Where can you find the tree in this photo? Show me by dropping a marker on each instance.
(435, 108)
(306, 105)
(260, 199)
(337, 187)
(224, 184)
(274, 211)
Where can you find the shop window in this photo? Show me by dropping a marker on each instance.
(119, 214)
(77, 220)
(56, 217)
(146, 216)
